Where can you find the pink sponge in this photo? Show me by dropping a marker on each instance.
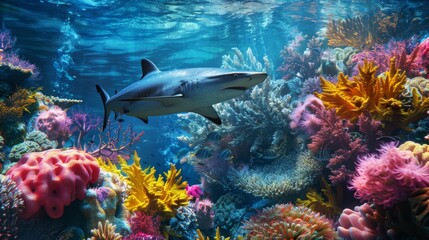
(53, 179)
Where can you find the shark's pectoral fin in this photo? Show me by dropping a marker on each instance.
(144, 119)
(167, 101)
(209, 113)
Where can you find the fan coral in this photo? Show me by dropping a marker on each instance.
(11, 206)
(53, 179)
(362, 223)
(380, 96)
(361, 32)
(281, 178)
(55, 123)
(105, 231)
(154, 195)
(389, 177)
(286, 221)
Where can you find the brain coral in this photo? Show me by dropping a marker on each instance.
(53, 179)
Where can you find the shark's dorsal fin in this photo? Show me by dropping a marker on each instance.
(209, 113)
(148, 67)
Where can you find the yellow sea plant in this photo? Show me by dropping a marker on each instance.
(217, 237)
(154, 195)
(382, 96)
(327, 206)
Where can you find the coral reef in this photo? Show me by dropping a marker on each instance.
(361, 32)
(389, 177)
(217, 237)
(420, 151)
(281, 178)
(229, 212)
(104, 201)
(362, 223)
(419, 203)
(35, 141)
(204, 212)
(194, 191)
(53, 179)
(105, 231)
(184, 224)
(82, 125)
(11, 206)
(154, 195)
(286, 221)
(380, 96)
(55, 123)
(144, 226)
(15, 111)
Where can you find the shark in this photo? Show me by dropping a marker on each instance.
(175, 91)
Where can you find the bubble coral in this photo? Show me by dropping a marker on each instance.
(53, 179)
(286, 221)
(389, 177)
(55, 123)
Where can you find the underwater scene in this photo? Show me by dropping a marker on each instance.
(214, 119)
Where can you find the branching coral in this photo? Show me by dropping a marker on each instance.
(360, 32)
(319, 204)
(281, 178)
(217, 237)
(14, 111)
(380, 96)
(286, 221)
(154, 195)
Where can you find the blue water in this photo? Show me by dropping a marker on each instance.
(78, 44)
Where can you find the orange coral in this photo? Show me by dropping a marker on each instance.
(381, 96)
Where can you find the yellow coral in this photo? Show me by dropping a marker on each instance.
(154, 195)
(380, 96)
(317, 203)
(421, 152)
(105, 231)
(217, 237)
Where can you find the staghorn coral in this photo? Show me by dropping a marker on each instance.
(361, 32)
(281, 178)
(105, 231)
(11, 206)
(389, 177)
(286, 221)
(154, 195)
(380, 96)
(319, 204)
(14, 112)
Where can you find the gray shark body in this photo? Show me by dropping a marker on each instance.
(184, 90)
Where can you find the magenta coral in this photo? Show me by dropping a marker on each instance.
(144, 227)
(204, 212)
(389, 177)
(53, 179)
(55, 123)
(194, 191)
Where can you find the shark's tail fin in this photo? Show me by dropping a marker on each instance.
(104, 98)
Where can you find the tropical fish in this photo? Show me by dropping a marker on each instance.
(225, 154)
(203, 153)
(214, 136)
(184, 90)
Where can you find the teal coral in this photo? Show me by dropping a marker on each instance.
(35, 141)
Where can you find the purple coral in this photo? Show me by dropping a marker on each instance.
(389, 177)
(82, 124)
(55, 123)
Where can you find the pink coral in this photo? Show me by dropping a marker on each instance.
(144, 227)
(205, 215)
(53, 179)
(194, 191)
(55, 123)
(389, 177)
(360, 224)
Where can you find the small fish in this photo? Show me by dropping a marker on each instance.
(225, 154)
(120, 120)
(200, 163)
(214, 136)
(203, 153)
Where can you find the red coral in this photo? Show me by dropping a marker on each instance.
(389, 177)
(53, 179)
(144, 227)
